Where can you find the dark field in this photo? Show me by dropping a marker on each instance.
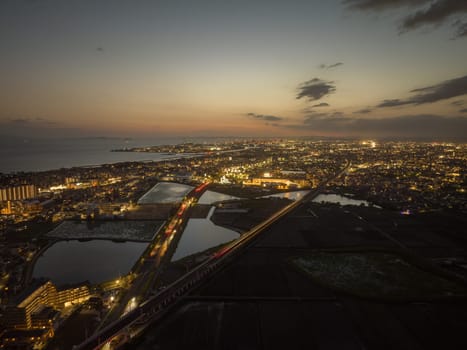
(260, 301)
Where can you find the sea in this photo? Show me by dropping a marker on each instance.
(40, 154)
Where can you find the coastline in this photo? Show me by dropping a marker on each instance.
(40, 154)
(97, 165)
(164, 158)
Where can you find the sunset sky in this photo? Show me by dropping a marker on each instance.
(366, 68)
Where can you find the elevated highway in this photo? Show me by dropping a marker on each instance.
(135, 322)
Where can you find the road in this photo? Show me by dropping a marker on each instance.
(134, 322)
(149, 265)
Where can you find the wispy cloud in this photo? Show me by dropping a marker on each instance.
(269, 118)
(461, 29)
(424, 12)
(363, 111)
(322, 104)
(29, 121)
(318, 117)
(326, 115)
(436, 13)
(424, 126)
(330, 66)
(315, 89)
(313, 109)
(382, 4)
(21, 126)
(19, 121)
(442, 91)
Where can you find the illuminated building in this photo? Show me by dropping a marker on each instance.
(16, 193)
(274, 182)
(7, 210)
(25, 338)
(75, 295)
(40, 295)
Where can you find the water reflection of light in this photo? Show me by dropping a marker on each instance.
(210, 197)
(201, 234)
(288, 195)
(342, 200)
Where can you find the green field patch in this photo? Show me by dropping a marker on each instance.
(376, 274)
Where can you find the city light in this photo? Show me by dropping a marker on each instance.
(407, 178)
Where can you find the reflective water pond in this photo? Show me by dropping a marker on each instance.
(210, 197)
(342, 200)
(165, 192)
(96, 261)
(288, 195)
(201, 234)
